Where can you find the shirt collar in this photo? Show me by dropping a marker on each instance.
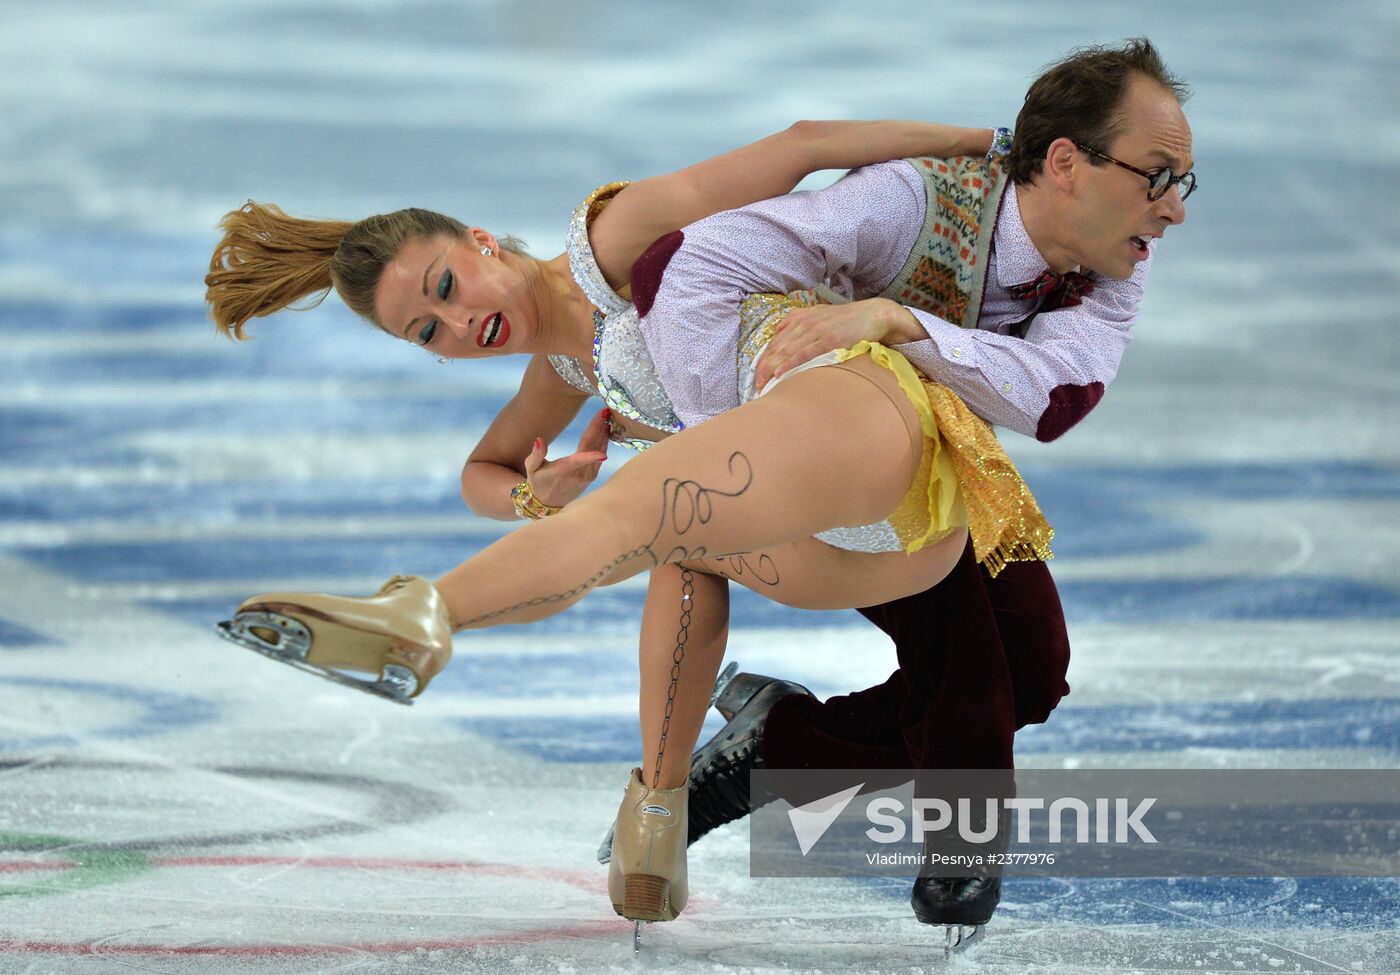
(1018, 261)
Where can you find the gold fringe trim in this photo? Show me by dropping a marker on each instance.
(964, 466)
(965, 479)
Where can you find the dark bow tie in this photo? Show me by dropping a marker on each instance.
(1059, 290)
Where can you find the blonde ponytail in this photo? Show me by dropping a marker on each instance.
(267, 261)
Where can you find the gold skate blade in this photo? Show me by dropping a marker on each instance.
(956, 937)
(397, 684)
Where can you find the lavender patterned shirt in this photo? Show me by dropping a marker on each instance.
(855, 236)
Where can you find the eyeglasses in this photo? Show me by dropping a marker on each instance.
(1158, 180)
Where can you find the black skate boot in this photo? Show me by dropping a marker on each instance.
(961, 904)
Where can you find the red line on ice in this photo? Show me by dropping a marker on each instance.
(596, 929)
(20, 866)
(575, 878)
(587, 881)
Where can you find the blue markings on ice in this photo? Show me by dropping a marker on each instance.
(15, 635)
(1261, 724)
(19, 317)
(197, 503)
(252, 558)
(1260, 902)
(1227, 598)
(601, 738)
(1243, 481)
(139, 712)
(88, 435)
(1098, 512)
(1233, 725)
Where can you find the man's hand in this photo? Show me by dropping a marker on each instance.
(557, 482)
(806, 333)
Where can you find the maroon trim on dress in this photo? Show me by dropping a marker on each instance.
(1068, 405)
(648, 269)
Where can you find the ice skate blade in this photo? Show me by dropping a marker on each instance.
(722, 681)
(956, 937)
(636, 938)
(287, 641)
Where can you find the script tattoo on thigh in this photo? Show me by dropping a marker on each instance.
(685, 504)
(737, 565)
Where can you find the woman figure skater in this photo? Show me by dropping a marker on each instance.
(847, 482)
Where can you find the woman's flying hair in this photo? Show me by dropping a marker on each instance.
(267, 261)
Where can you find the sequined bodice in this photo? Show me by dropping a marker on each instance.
(627, 377)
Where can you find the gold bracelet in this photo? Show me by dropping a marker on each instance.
(528, 506)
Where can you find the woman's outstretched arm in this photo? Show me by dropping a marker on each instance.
(773, 166)
(770, 167)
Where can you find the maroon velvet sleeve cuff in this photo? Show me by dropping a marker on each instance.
(1068, 405)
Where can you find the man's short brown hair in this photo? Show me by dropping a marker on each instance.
(1079, 98)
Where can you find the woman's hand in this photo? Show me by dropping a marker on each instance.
(557, 482)
(806, 333)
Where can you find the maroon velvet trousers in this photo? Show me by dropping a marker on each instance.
(978, 658)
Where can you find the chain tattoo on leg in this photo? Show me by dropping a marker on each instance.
(677, 655)
(685, 504)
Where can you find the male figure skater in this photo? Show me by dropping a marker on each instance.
(1023, 281)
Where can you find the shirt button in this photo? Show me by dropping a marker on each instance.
(1006, 387)
(957, 353)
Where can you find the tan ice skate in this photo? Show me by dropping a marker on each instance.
(646, 876)
(402, 634)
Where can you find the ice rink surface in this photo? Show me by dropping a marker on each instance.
(1228, 519)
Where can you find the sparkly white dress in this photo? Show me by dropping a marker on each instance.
(627, 378)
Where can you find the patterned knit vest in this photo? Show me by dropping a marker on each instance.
(946, 272)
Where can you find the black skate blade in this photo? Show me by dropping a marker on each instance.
(956, 937)
(241, 631)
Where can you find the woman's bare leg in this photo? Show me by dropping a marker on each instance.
(808, 574)
(832, 446)
(682, 641)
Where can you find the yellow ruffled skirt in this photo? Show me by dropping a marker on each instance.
(965, 477)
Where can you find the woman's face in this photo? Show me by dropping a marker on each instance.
(446, 295)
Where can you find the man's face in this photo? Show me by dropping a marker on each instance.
(1110, 214)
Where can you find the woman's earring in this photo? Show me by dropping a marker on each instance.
(486, 251)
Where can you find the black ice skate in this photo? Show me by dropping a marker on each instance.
(963, 905)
